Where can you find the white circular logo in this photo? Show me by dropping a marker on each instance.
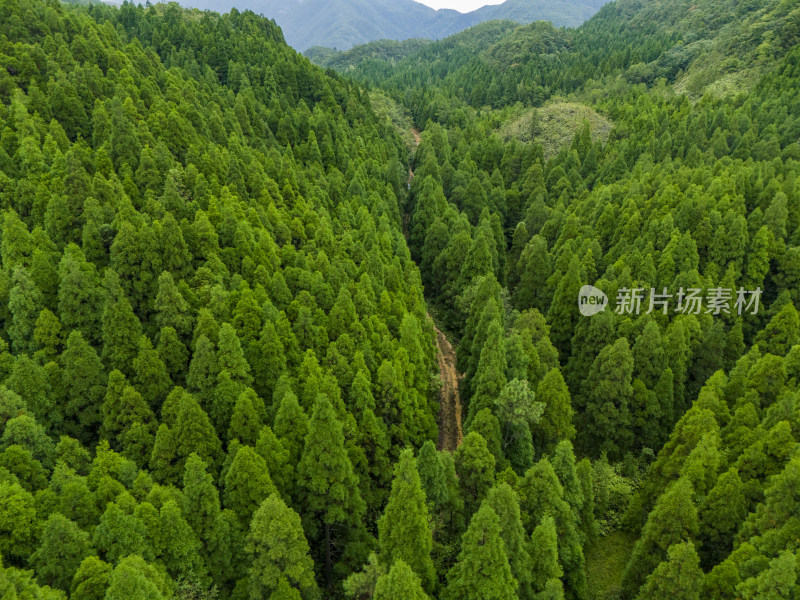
(591, 301)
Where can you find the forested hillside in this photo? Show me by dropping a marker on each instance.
(342, 24)
(689, 415)
(212, 326)
(723, 47)
(218, 373)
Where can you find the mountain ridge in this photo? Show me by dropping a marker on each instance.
(342, 24)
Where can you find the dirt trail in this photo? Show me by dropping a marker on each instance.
(450, 433)
(417, 140)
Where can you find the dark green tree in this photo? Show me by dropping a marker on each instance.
(482, 569)
(280, 552)
(679, 576)
(403, 530)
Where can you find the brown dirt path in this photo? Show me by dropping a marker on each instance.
(417, 139)
(450, 433)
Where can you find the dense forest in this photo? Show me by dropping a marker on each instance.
(218, 265)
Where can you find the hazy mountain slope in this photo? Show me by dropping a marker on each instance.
(342, 24)
(722, 47)
(388, 51)
(560, 12)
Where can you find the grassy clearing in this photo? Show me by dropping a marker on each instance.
(386, 107)
(605, 561)
(555, 125)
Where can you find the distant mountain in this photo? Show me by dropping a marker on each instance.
(388, 51)
(342, 24)
(567, 13)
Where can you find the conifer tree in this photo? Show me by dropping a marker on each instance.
(400, 583)
(544, 554)
(127, 420)
(83, 383)
(246, 421)
(672, 520)
(562, 314)
(541, 494)
(607, 414)
(191, 432)
(482, 569)
(721, 512)
(564, 466)
(18, 523)
(489, 377)
(403, 531)
(173, 354)
(47, 335)
(276, 456)
(180, 547)
(80, 297)
(432, 477)
(133, 577)
(328, 487)
(172, 310)
(120, 534)
(679, 576)
(280, 552)
(777, 582)
(230, 356)
(487, 425)
(247, 483)
(556, 421)
(150, 374)
(291, 426)
(505, 503)
(24, 302)
(203, 512)
(91, 579)
(267, 360)
(203, 370)
(475, 467)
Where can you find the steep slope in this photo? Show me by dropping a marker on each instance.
(342, 24)
(202, 273)
(722, 47)
(381, 51)
(562, 13)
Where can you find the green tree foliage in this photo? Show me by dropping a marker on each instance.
(280, 552)
(482, 569)
(187, 202)
(399, 582)
(541, 495)
(556, 422)
(608, 400)
(62, 548)
(679, 576)
(17, 521)
(505, 503)
(475, 467)
(328, 486)
(403, 530)
(544, 554)
(672, 520)
(720, 514)
(83, 382)
(91, 579)
(133, 577)
(247, 483)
